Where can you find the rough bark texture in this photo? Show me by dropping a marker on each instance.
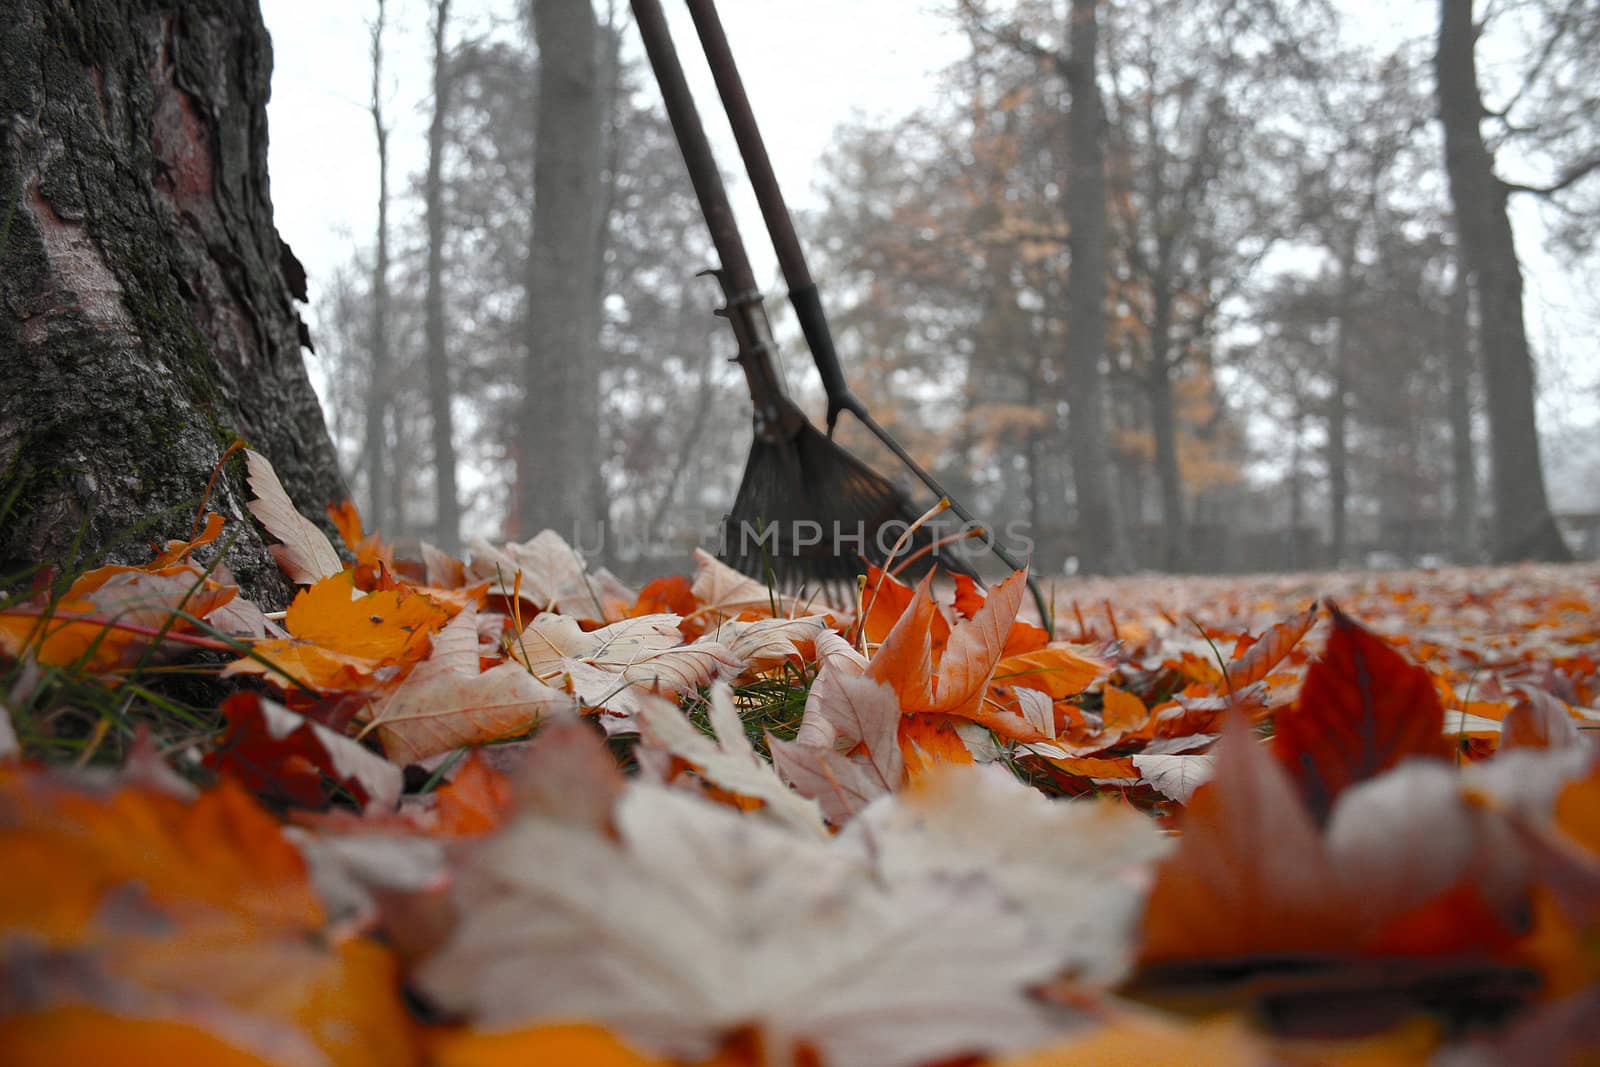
(558, 478)
(447, 509)
(1101, 549)
(146, 301)
(1524, 527)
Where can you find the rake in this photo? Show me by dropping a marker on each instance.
(803, 499)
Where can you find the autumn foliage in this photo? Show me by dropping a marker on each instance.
(504, 809)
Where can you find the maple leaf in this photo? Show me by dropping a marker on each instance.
(544, 570)
(306, 555)
(728, 762)
(1363, 709)
(1060, 670)
(847, 750)
(447, 701)
(1250, 876)
(766, 644)
(110, 617)
(697, 921)
(609, 666)
(343, 639)
(134, 916)
(279, 754)
(1076, 868)
(724, 593)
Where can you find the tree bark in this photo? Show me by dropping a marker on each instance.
(146, 300)
(1524, 527)
(380, 491)
(559, 480)
(1101, 546)
(446, 507)
(1339, 414)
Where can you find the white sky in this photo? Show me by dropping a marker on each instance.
(809, 65)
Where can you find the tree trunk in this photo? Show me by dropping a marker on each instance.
(446, 506)
(1164, 424)
(146, 301)
(559, 480)
(1524, 527)
(1101, 546)
(1463, 467)
(380, 490)
(1339, 419)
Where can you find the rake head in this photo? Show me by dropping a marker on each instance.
(810, 513)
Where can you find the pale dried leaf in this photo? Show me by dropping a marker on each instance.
(765, 644)
(841, 785)
(701, 920)
(552, 573)
(1174, 777)
(306, 555)
(1076, 868)
(445, 710)
(727, 594)
(729, 762)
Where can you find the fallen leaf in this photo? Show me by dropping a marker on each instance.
(728, 762)
(1175, 777)
(1362, 710)
(283, 756)
(699, 921)
(306, 555)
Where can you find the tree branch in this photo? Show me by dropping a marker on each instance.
(1568, 178)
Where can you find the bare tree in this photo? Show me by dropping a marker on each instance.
(447, 507)
(1100, 543)
(558, 474)
(1524, 527)
(376, 454)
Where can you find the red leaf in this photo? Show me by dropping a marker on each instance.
(1364, 708)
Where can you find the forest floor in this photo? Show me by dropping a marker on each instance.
(506, 809)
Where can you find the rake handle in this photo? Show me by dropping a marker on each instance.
(803, 294)
(775, 413)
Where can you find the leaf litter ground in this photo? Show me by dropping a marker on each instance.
(507, 809)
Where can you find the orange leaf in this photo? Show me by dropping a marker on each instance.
(1363, 709)
(143, 906)
(391, 626)
(1122, 711)
(1270, 649)
(929, 740)
(887, 599)
(347, 520)
(1058, 670)
(666, 596)
(968, 599)
(475, 800)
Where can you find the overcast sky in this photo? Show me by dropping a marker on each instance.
(809, 65)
